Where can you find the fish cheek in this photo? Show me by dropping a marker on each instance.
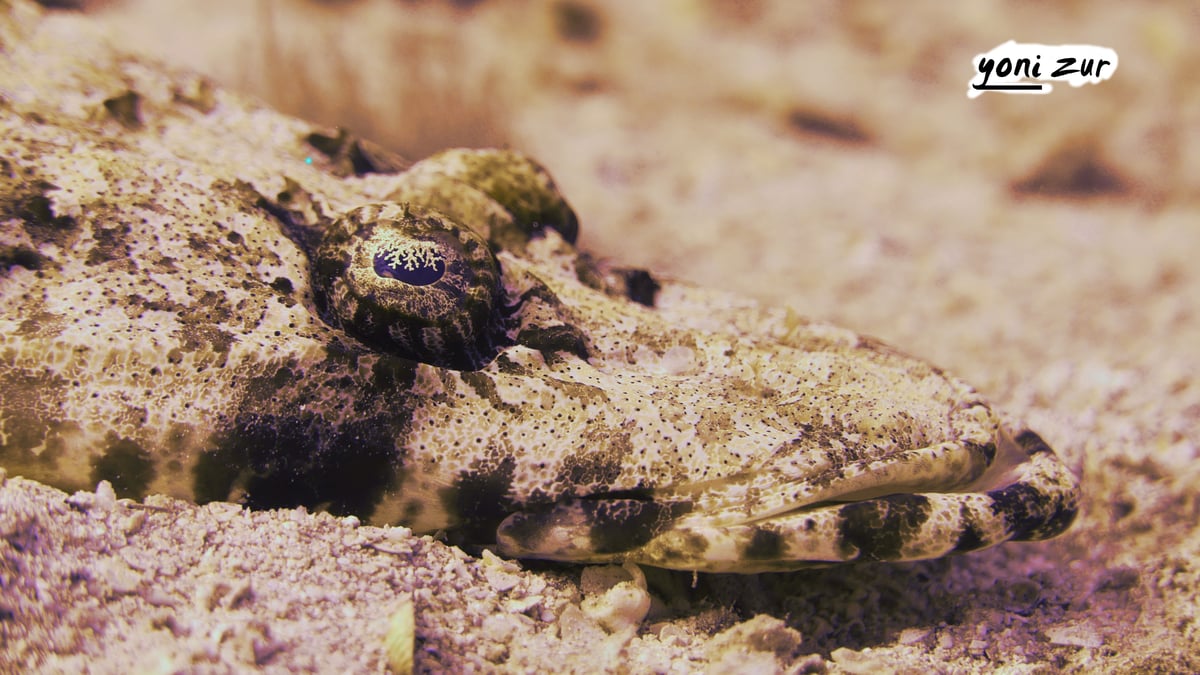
(312, 437)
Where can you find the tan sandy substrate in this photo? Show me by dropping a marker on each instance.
(673, 134)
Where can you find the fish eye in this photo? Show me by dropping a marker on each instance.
(411, 282)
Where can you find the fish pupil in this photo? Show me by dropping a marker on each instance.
(415, 270)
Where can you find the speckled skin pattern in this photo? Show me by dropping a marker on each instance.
(176, 317)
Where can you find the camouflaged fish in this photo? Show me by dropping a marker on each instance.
(206, 299)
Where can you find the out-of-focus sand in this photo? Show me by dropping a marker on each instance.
(1042, 247)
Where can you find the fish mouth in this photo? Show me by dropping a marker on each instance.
(1022, 492)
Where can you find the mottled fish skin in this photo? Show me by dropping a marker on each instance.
(168, 322)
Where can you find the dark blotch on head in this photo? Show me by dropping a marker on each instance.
(879, 528)
(283, 285)
(480, 499)
(484, 386)
(31, 205)
(126, 465)
(1029, 513)
(217, 471)
(764, 545)
(301, 459)
(622, 524)
(111, 244)
(20, 256)
(971, 537)
(690, 546)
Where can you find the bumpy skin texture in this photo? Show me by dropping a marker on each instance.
(166, 324)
